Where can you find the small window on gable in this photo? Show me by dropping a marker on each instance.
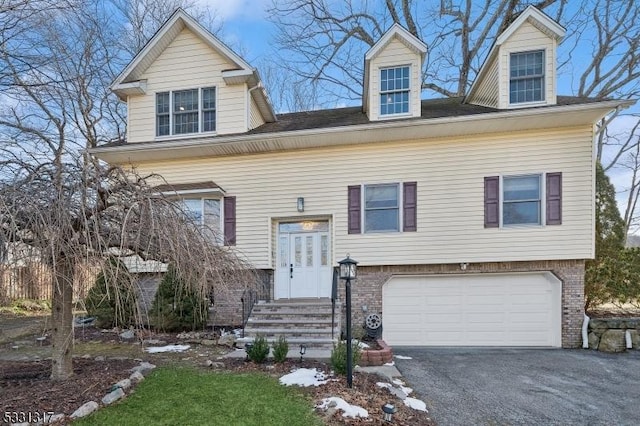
(521, 200)
(526, 77)
(186, 111)
(394, 90)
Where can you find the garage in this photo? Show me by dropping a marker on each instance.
(514, 309)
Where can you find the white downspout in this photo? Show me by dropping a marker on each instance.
(585, 332)
(627, 338)
(249, 104)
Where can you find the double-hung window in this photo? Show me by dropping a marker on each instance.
(186, 111)
(205, 212)
(521, 200)
(394, 90)
(526, 77)
(381, 208)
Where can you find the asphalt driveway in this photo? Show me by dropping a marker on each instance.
(481, 386)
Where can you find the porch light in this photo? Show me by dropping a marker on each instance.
(348, 269)
(303, 350)
(300, 204)
(348, 272)
(389, 410)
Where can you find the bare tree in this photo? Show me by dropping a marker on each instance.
(57, 64)
(324, 42)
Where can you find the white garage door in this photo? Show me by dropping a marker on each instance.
(472, 310)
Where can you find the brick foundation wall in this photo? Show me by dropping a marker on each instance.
(367, 290)
(228, 305)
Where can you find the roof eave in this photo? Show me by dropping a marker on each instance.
(582, 114)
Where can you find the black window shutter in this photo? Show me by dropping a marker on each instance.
(409, 206)
(554, 198)
(230, 221)
(492, 202)
(354, 209)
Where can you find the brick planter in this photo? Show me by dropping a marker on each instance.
(371, 357)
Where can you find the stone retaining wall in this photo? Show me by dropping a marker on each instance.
(608, 334)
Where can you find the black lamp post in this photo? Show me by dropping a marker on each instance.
(348, 271)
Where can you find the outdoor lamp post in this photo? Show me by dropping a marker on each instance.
(348, 272)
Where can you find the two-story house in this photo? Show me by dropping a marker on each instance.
(471, 218)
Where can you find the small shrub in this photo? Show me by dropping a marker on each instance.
(176, 306)
(339, 356)
(112, 300)
(259, 351)
(280, 349)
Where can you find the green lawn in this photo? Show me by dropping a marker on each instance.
(183, 396)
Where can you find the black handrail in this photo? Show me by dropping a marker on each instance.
(334, 297)
(251, 296)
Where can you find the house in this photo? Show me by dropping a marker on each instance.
(471, 218)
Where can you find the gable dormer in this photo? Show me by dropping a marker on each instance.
(393, 76)
(186, 83)
(520, 70)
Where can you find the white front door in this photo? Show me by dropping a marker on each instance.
(303, 265)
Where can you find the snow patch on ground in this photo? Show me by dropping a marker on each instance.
(304, 377)
(402, 357)
(390, 364)
(363, 345)
(168, 348)
(416, 404)
(349, 410)
(403, 388)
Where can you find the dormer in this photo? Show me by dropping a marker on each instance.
(186, 83)
(520, 70)
(393, 76)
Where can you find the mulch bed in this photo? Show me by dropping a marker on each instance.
(25, 386)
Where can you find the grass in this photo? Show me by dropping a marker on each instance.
(185, 396)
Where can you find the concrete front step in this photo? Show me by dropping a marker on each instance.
(288, 321)
(275, 332)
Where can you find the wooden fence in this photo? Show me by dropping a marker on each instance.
(32, 280)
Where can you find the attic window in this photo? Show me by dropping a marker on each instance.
(526, 77)
(394, 90)
(186, 111)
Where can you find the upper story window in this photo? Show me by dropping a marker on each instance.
(394, 90)
(381, 208)
(186, 111)
(526, 77)
(521, 200)
(205, 212)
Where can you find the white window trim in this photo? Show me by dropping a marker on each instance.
(172, 135)
(364, 208)
(545, 81)
(380, 92)
(543, 201)
(202, 198)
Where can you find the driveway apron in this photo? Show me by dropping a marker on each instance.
(491, 386)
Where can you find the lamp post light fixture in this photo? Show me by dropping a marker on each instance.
(303, 350)
(348, 272)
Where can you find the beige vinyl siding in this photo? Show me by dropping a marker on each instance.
(187, 63)
(487, 92)
(528, 38)
(395, 53)
(450, 175)
(255, 118)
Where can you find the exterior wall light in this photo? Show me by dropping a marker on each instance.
(300, 204)
(348, 272)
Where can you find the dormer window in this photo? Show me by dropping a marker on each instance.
(526, 83)
(394, 90)
(186, 111)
